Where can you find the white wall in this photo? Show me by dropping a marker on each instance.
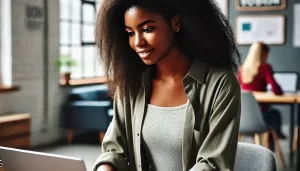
(28, 72)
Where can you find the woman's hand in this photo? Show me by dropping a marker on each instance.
(106, 167)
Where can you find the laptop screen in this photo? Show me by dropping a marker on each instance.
(25, 160)
(286, 80)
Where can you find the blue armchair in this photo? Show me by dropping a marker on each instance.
(87, 109)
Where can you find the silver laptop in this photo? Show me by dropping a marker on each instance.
(12, 159)
(287, 80)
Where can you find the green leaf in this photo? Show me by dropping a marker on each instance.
(65, 62)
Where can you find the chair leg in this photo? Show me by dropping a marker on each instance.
(256, 139)
(295, 139)
(101, 136)
(266, 140)
(278, 148)
(70, 136)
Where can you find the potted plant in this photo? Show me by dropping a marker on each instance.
(65, 64)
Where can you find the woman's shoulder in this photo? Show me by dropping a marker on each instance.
(215, 77)
(266, 66)
(209, 72)
(222, 80)
(218, 74)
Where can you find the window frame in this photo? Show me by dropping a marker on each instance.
(6, 48)
(83, 45)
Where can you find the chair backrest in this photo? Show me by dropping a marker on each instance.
(254, 157)
(288, 81)
(251, 120)
(90, 93)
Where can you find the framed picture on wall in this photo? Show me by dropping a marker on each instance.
(269, 29)
(260, 5)
(223, 5)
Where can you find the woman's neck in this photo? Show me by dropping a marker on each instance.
(173, 66)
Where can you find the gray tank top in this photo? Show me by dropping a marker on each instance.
(162, 137)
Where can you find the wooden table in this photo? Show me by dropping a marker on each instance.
(264, 97)
(293, 100)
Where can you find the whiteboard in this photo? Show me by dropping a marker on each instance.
(265, 28)
(260, 5)
(297, 25)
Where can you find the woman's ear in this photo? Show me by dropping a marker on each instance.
(265, 57)
(175, 21)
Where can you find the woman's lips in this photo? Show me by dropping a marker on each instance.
(145, 53)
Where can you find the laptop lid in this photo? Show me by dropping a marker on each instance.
(25, 160)
(286, 80)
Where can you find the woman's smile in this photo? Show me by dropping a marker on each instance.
(145, 53)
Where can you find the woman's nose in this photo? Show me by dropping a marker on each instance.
(139, 40)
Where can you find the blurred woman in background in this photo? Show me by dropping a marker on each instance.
(254, 75)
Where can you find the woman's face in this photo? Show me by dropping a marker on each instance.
(265, 57)
(150, 35)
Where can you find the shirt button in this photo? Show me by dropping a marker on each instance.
(138, 134)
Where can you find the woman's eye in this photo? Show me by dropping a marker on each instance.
(130, 34)
(148, 29)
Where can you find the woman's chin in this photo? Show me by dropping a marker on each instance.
(149, 62)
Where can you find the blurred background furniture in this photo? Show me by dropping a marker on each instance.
(87, 109)
(254, 157)
(252, 123)
(15, 130)
(289, 83)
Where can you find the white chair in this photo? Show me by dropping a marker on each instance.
(251, 157)
(252, 123)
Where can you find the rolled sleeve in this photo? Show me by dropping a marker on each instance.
(113, 159)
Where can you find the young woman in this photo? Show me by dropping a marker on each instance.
(255, 74)
(176, 98)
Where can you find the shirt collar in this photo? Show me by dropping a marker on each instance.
(198, 71)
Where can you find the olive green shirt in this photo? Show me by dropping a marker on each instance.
(210, 128)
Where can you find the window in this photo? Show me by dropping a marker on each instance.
(77, 36)
(5, 43)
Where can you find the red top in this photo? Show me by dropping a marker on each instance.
(261, 80)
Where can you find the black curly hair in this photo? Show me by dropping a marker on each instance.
(205, 34)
